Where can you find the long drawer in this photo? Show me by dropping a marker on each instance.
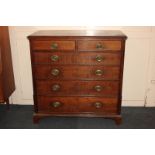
(77, 105)
(76, 72)
(77, 88)
(93, 58)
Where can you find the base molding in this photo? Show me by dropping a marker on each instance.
(38, 116)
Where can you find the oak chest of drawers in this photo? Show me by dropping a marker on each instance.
(77, 73)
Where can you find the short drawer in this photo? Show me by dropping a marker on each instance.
(99, 45)
(88, 58)
(53, 45)
(77, 88)
(77, 105)
(76, 72)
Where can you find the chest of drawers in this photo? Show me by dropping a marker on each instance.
(77, 73)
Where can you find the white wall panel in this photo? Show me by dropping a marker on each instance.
(150, 98)
(135, 69)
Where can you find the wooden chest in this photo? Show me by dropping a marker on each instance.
(77, 73)
(7, 84)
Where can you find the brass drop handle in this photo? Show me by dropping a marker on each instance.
(56, 104)
(54, 58)
(99, 72)
(54, 46)
(98, 88)
(98, 105)
(99, 58)
(55, 72)
(99, 46)
(55, 87)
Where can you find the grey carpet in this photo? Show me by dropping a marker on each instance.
(20, 117)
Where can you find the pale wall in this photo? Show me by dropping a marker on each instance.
(139, 73)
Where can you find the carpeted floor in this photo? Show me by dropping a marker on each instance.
(20, 117)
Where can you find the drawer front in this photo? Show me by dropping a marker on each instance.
(53, 45)
(76, 72)
(93, 58)
(99, 45)
(77, 105)
(77, 88)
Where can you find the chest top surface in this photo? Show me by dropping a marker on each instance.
(79, 33)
